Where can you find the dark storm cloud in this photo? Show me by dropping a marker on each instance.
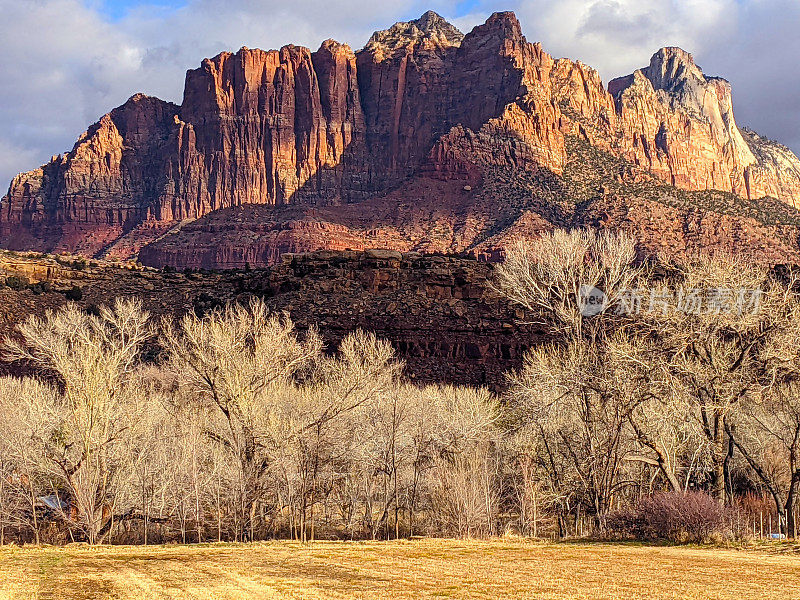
(762, 62)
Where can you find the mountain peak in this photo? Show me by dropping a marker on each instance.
(359, 150)
(429, 27)
(671, 67)
(431, 21)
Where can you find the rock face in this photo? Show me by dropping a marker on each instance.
(332, 149)
(268, 127)
(679, 123)
(92, 195)
(440, 313)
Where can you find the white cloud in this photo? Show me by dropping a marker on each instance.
(15, 158)
(617, 36)
(64, 65)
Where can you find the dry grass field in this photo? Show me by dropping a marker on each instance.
(415, 569)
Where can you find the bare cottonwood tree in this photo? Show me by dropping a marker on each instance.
(713, 346)
(567, 396)
(95, 358)
(319, 423)
(562, 394)
(238, 362)
(661, 414)
(28, 415)
(464, 482)
(549, 275)
(766, 429)
(654, 378)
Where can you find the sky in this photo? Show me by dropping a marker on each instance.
(67, 62)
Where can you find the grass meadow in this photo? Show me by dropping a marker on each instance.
(426, 568)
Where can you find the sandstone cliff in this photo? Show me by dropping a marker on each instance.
(680, 124)
(427, 139)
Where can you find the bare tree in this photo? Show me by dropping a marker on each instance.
(28, 413)
(568, 398)
(562, 396)
(552, 275)
(240, 362)
(95, 357)
(713, 343)
(766, 428)
(464, 481)
(661, 413)
(320, 423)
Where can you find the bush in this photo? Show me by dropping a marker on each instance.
(17, 282)
(92, 310)
(41, 287)
(74, 293)
(674, 517)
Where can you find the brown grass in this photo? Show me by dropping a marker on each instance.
(416, 569)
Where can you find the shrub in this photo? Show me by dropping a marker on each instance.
(92, 310)
(41, 287)
(74, 293)
(674, 517)
(17, 283)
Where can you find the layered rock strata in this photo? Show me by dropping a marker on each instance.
(441, 315)
(421, 103)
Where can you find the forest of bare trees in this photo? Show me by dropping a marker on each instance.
(677, 393)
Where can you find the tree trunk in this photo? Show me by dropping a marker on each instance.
(791, 502)
(726, 465)
(719, 454)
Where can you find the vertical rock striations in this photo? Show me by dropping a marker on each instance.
(334, 127)
(679, 124)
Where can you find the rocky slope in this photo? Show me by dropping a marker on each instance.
(426, 139)
(440, 313)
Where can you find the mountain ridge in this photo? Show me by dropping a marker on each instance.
(421, 109)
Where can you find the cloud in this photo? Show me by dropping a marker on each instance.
(65, 63)
(617, 36)
(760, 60)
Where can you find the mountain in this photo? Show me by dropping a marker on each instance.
(425, 140)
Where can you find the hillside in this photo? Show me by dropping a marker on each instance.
(440, 313)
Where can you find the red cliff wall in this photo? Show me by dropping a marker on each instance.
(333, 127)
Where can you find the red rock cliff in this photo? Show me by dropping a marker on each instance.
(334, 127)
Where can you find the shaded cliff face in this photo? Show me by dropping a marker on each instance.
(440, 313)
(108, 183)
(447, 215)
(426, 139)
(268, 128)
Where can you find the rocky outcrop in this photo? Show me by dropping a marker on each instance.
(776, 171)
(90, 196)
(680, 125)
(352, 136)
(441, 315)
(268, 128)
